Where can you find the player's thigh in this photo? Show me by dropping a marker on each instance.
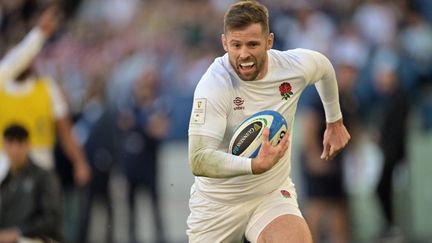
(213, 222)
(267, 216)
(286, 228)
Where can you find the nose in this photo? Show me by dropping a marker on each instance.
(244, 53)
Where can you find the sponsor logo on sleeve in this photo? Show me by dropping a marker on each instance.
(199, 111)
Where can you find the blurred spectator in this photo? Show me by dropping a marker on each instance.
(415, 69)
(424, 7)
(416, 44)
(377, 20)
(38, 103)
(97, 131)
(348, 48)
(327, 202)
(125, 73)
(393, 108)
(310, 28)
(29, 195)
(143, 124)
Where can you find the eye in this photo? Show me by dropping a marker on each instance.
(236, 45)
(253, 44)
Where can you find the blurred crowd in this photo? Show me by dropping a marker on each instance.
(128, 69)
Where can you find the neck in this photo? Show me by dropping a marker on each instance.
(265, 68)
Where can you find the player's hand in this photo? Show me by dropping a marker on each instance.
(269, 155)
(82, 173)
(48, 21)
(336, 137)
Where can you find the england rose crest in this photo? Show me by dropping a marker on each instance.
(285, 90)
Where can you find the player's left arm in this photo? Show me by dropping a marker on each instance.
(336, 135)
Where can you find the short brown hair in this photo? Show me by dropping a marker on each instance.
(244, 13)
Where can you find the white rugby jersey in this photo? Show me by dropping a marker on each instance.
(222, 101)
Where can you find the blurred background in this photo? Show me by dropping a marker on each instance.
(110, 57)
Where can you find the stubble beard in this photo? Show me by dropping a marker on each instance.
(251, 76)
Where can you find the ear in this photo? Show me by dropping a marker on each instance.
(270, 41)
(224, 42)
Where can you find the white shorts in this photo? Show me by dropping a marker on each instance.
(215, 222)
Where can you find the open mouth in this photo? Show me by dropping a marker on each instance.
(247, 66)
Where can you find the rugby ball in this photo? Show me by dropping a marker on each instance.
(247, 137)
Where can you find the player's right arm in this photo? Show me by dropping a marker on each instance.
(206, 160)
(21, 56)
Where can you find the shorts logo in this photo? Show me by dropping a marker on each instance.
(238, 102)
(285, 194)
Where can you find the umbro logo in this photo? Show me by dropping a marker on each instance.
(238, 102)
